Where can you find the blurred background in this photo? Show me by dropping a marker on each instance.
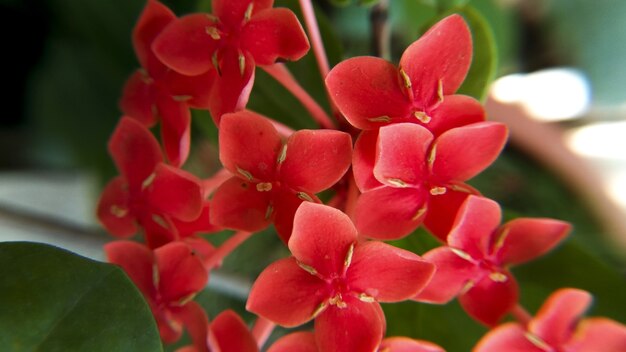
(559, 85)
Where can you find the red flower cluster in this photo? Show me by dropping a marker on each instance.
(420, 142)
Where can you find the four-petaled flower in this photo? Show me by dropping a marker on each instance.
(237, 36)
(272, 178)
(475, 262)
(558, 327)
(337, 281)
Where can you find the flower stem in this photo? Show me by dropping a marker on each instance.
(521, 314)
(227, 247)
(262, 330)
(281, 74)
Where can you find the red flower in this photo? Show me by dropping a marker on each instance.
(557, 327)
(169, 278)
(155, 92)
(239, 35)
(227, 332)
(271, 178)
(305, 342)
(422, 177)
(336, 281)
(148, 192)
(475, 263)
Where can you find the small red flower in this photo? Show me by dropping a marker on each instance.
(558, 327)
(169, 277)
(237, 36)
(475, 262)
(148, 193)
(336, 281)
(272, 178)
(422, 178)
(227, 332)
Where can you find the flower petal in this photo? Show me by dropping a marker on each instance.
(195, 91)
(285, 202)
(321, 238)
(451, 276)
(455, 111)
(286, 294)
(272, 34)
(508, 337)
(137, 99)
(136, 260)
(405, 344)
(158, 229)
(153, 19)
(232, 88)
(232, 12)
(401, 154)
(363, 160)
(232, 333)
(301, 341)
(476, 222)
(444, 208)
(387, 273)
(175, 192)
(463, 152)
(443, 54)
(359, 327)
(238, 205)
(201, 225)
(315, 160)
(185, 46)
(113, 210)
(390, 213)
(488, 301)
(555, 321)
(135, 151)
(367, 92)
(194, 318)
(175, 128)
(181, 272)
(599, 334)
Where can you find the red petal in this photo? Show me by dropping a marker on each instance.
(443, 210)
(273, 34)
(158, 229)
(249, 146)
(524, 239)
(390, 213)
(195, 91)
(196, 323)
(367, 92)
(444, 53)
(175, 192)
(598, 334)
(185, 46)
(181, 273)
(202, 248)
(232, 333)
(357, 328)
(136, 260)
(451, 276)
(232, 88)
(232, 12)
(363, 161)
(286, 294)
(387, 273)
(508, 337)
(138, 98)
(405, 344)
(475, 223)
(315, 160)
(463, 152)
(401, 154)
(488, 301)
(238, 205)
(135, 152)
(301, 341)
(113, 211)
(556, 320)
(455, 111)
(285, 202)
(154, 17)
(175, 128)
(200, 225)
(321, 238)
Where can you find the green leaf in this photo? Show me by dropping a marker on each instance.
(484, 63)
(54, 300)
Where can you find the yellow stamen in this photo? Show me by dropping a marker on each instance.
(245, 173)
(348, 260)
(498, 277)
(264, 186)
(397, 182)
(148, 181)
(283, 154)
(304, 196)
(436, 191)
(406, 79)
(422, 117)
(380, 119)
(309, 269)
(213, 33)
(118, 211)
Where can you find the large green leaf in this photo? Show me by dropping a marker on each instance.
(54, 300)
